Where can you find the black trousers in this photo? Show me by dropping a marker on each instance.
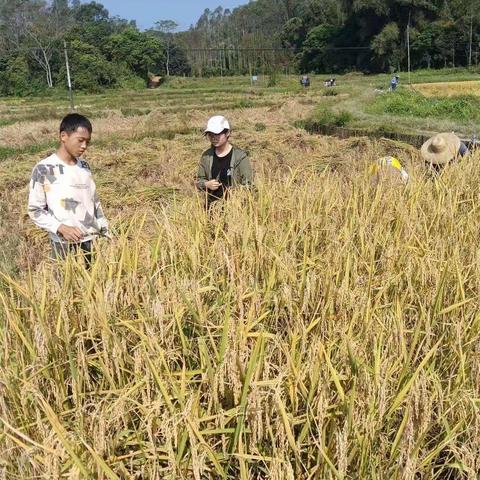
(61, 250)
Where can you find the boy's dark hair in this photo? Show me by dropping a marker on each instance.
(72, 121)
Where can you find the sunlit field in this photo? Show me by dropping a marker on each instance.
(449, 89)
(317, 327)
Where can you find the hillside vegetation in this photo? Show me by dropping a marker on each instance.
(264, 37)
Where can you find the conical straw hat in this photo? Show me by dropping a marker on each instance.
(441, 148)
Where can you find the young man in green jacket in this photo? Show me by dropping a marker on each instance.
(222, 166)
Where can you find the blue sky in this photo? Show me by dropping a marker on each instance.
(147, 12)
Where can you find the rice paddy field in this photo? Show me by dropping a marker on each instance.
(449, 89)
(317, 327)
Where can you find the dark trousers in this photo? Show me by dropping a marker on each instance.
(61, 250)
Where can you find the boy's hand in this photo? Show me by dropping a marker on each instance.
(213, 184)
(71, 234)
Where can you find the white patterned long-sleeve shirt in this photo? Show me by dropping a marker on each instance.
(65, 194)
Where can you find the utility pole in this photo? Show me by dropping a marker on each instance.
(470, 41)
(69, 80)
(408, 48)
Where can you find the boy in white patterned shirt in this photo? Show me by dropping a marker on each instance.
(63, 199)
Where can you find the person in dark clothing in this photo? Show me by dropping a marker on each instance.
(394, 83)
(221, 173)
(223, 166)
(305, 81)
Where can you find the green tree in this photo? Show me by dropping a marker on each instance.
(15, 76)
(386, 46)
(90, 13)
(35, 28)
(90, 70)
(94, 26)
(317, 53)
(294, 33)
(164, 29)
(140, 51)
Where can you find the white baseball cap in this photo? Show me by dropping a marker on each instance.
(217, 124)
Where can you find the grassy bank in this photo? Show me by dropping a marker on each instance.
(407, 103)
(363, 102)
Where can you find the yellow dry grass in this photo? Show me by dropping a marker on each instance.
(317, 328)
(449, 89)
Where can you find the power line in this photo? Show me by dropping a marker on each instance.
(263, 49)
(348, 48)
(233, 49)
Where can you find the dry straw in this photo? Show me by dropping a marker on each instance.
(317, 328)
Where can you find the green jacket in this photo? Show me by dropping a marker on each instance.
(240, 165)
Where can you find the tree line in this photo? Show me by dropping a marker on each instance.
(264, 36)
(104, 51)
(339, 35)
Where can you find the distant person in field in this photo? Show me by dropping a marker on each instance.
(305, 81)
(63, 198)
(442, 149)
(223, 166)
(394, 83)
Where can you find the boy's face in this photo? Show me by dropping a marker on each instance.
(75, 143)
(218, 139)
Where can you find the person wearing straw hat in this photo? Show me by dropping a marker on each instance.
(223, 165)
(442, 149)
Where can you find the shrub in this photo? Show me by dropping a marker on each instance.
(272, 79)
(329, 92)
(16, 79)
(325, 117)
(409, 103)
(243, 103)
(342, 118)
(134, 112)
